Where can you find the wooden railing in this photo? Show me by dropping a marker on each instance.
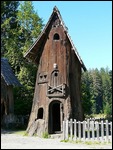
(89, 130)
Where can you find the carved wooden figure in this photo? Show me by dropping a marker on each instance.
(57, 90)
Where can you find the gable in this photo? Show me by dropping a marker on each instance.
(55, 20)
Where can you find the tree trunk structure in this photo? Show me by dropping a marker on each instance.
(57, 93)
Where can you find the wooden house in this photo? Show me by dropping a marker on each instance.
(8, 80)
(57, 93)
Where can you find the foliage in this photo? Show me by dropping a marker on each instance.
(30, 24)
(64, 141)
(97, 91)
(45, 135)
(20, 26)
(8, 23)
(86, 95)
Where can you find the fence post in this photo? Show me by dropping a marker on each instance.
(111, 131)
(88, 129)
(97, 123)
(67, 122)
(84, 137)
(79, 129)
(64, 129)
(102, 131)
(107, 138)
(93, 131)
(71, 129)
(75, 130)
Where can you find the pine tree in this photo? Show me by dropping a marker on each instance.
(86, 93)
(30, 25)
(20, 27)
(8, 22)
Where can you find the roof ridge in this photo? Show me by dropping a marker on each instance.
(55, 8)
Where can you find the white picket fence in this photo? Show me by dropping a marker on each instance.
(89, 130)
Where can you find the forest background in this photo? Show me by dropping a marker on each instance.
(20, 26)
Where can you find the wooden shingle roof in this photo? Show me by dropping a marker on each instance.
(35, 49)
(7, 73)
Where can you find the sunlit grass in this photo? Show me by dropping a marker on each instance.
(20, 132)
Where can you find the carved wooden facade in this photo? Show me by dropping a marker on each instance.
(57, 89)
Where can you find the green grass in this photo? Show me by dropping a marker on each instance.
(20, 132)
(90, 142)
(45, 135)
(85, 142)
(64, 141)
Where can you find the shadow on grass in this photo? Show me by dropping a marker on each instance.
(11, 129)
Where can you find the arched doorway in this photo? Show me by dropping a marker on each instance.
(55, 117)
(40, 113)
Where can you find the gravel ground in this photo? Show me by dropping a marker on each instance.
(10, 140)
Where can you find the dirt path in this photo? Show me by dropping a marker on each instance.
(15, 141)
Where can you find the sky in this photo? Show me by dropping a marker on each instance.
(89, 24)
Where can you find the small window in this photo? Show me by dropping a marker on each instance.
(56, 74)
(56, 36)
(40, 113)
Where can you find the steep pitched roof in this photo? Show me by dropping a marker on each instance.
(31, 53)
(7, 73)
